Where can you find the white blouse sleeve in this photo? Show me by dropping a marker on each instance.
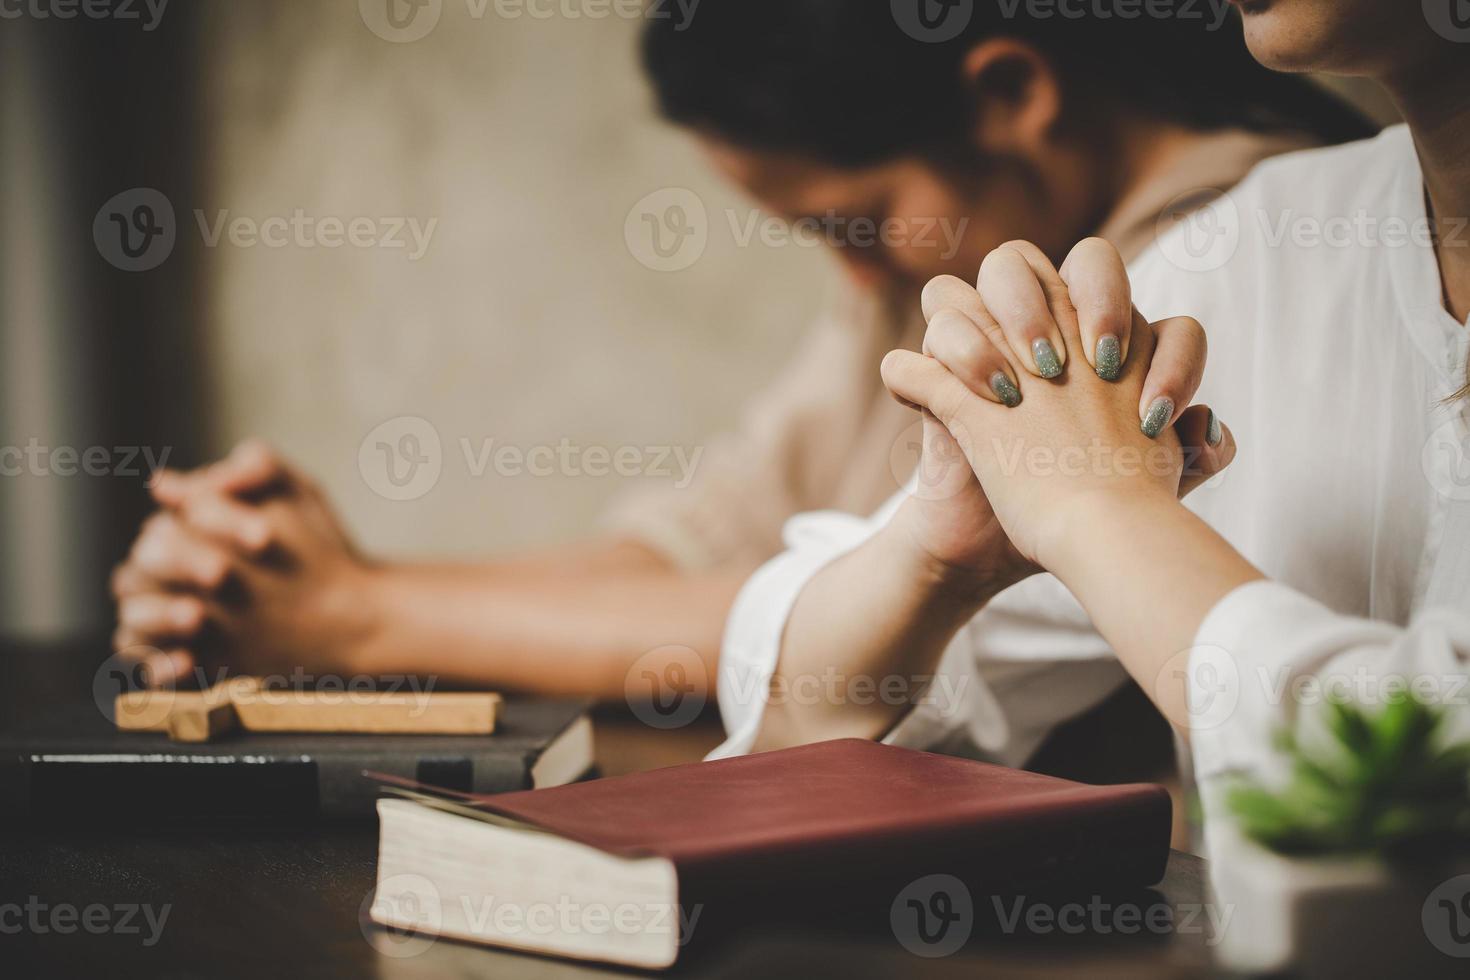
(1027, 662)
(758, 617)
(1267, 656)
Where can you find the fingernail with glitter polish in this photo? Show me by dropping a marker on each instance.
(1158, 417)
(1214, 434)
(1109, 357)
(1048, 365)
(1005, 389)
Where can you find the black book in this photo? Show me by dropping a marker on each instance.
(78, 769)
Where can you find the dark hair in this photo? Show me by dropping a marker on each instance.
(845, 82)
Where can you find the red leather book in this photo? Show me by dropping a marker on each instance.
(628, 870)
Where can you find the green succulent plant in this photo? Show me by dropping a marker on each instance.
(1386, 784)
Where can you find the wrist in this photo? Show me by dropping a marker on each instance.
(1091, 523)
(358, 601)
(964, 587)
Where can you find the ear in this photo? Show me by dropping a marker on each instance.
(1018, 97)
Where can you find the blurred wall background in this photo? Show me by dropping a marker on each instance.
(518, 146)
(100, 368)
(493, 166)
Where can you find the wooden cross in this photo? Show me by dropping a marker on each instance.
(247, 704)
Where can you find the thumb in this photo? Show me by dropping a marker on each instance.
(944, 470)
(1209, 447)
(921, 382)
(250, 470)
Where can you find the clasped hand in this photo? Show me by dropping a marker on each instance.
(1048, 400)
(244, 563)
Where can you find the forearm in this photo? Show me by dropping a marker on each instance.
(568, 625)
(1148, 572)
(879, 615)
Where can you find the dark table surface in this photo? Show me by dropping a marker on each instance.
(162, 903)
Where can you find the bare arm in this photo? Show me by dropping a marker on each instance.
(890, 607)
(247, 564)
(1146, 569)
(534, 625)
(884, 614)
(1176, 569)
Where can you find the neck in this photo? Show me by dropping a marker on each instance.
(1145, 147)
(1433, 104)
(1139, 149)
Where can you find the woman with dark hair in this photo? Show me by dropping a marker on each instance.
(1025, 126)
(829, 112)
(1329, 564)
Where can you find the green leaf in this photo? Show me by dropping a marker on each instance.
(1383, 786)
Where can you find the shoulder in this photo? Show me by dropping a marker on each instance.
(1241, 242)
(1350, 172)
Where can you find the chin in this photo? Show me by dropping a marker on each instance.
(1275, 44)
(1295, 35)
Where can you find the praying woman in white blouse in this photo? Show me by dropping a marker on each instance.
(1331, 559)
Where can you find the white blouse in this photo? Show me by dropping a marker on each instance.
(1332, 358)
